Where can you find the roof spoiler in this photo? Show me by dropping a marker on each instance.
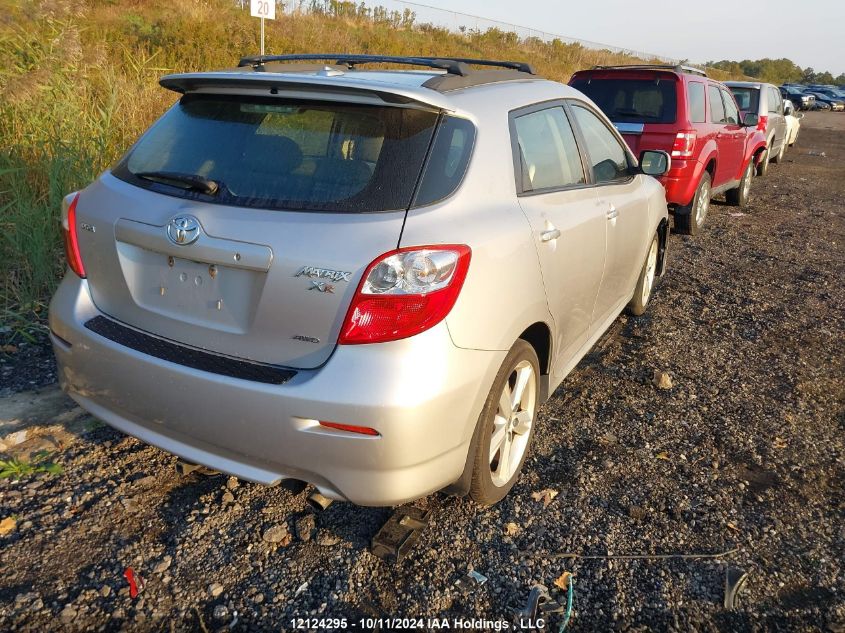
(676, 67)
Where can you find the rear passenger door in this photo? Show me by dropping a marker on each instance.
(732, 137)
(718, 120)
(625, 209)
(567, 222)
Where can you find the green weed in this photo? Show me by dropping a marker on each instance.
(18, 469)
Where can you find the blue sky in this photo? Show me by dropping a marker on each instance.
(809, 32)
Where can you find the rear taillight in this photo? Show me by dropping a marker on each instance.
(405, 292)
(762, 122)
(684, 145)
(74, 257)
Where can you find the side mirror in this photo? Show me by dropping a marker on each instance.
(750, 119)
(655, 163)
(787, 111)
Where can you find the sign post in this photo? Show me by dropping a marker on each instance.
(264, 9)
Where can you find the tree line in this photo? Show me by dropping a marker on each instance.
(778, 71)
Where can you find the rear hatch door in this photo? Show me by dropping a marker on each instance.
(242, 225)
(641, 104)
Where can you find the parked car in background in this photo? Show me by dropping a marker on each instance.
(793, 122)
(799, 98)
(368, 280)
(765, 101)
(678, 109)
(826, 102)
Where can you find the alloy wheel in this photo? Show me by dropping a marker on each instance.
(650, 271)
(746, 180)
(702, 205)
(512, 423)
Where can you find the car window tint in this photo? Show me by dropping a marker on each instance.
(695, 97)
(447, 161)
(609, 159)
(747, 98)
(287, 154)
(549, 156)
(632, 100)
(717, 109)
(731, 112)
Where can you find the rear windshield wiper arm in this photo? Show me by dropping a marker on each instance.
(183, 181)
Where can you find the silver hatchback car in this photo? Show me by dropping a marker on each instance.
(368, 280)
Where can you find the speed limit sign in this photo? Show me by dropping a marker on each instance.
(263, 9)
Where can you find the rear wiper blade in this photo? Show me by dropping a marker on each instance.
(183, 181)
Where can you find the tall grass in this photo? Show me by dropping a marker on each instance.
(78, 83)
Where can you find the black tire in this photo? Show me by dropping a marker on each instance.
(740, 196)
(639, 302)
(686, 219)
(483, 490)
(763, 165)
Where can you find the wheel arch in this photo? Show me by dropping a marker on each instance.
(710, 167)
(756, 152)
(539, 336)
(662, 245)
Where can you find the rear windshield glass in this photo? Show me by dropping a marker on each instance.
(293, 155)
(632, 100)
(747, 98)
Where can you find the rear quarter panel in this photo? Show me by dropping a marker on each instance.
(503, 292)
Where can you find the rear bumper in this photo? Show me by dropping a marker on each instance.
(422, 394)
(681, 181)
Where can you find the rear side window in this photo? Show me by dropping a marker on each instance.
(548, 155)
(447, 161)
(285, 154)
(609, 159)
(695, 99)
(731, 113)
(632, 100)
(717, 110)
(748, 99)
(774, 101)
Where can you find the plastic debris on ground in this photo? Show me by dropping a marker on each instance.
(136, 583)
(399, 534)
(468, 581)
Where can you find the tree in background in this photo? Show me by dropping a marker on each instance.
(777, 71)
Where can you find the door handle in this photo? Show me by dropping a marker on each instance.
(548, 236)
(612, 213)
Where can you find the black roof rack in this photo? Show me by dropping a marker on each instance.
(676, 67)
(452, 65)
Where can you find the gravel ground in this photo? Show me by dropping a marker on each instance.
(25, 364)
(746, 450)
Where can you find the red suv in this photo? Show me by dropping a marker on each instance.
(679, 110)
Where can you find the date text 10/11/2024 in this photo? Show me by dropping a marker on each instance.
(410, 624)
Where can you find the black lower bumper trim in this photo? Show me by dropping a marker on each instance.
(188, 356)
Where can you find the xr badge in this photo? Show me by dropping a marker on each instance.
(321, 286)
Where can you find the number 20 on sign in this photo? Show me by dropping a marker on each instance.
(264, 9)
